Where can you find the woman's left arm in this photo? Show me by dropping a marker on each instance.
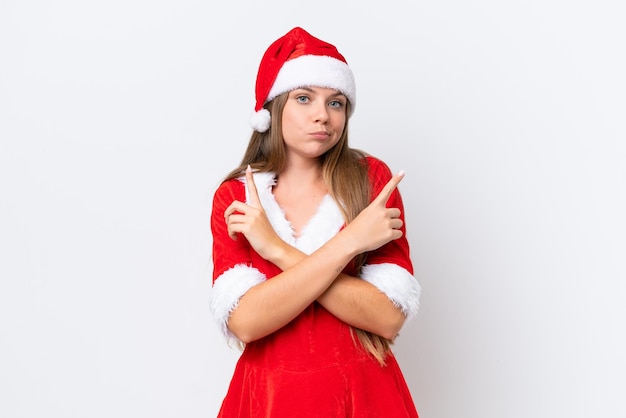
(386, 293)
(381, 299)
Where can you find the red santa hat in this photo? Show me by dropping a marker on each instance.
(298, 59)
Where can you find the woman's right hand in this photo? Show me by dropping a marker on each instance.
(251, 221)
(377, 224)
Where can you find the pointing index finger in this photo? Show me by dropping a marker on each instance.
(391, 185)
(254, 195)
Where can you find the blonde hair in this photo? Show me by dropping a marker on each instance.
(344, 170)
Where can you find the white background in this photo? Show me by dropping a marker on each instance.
(119, 118)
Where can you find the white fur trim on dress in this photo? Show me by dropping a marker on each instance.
(400, 286)
(322, 226)
(228, 288)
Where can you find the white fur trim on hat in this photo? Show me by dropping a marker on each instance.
(318, 71)
(228, 288)
(400, 286)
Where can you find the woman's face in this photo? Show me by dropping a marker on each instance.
(313, 120)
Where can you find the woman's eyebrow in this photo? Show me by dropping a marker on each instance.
(312, 90)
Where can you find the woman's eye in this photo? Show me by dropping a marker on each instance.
(336, 104)
(302, 99)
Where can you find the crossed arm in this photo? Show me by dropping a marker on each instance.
(268, 306)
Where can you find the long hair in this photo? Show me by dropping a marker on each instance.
(344, 171)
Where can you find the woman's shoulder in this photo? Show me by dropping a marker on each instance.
(377, 169)
(230, 184)
(235, 188)
(229, 190)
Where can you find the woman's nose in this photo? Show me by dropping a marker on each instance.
(321, 113)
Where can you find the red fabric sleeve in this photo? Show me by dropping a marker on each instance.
(396, 251)
(227, 252)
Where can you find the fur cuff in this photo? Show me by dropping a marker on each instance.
(401, 287)
(228, 288)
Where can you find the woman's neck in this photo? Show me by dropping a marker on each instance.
(299, 192)
(300, 180)
(301, 174)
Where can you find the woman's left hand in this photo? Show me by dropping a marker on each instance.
(251, 221)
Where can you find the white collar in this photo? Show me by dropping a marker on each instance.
(322, 226)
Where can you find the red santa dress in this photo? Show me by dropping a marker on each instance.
(314, 366)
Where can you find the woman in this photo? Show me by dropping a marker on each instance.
(312, 273)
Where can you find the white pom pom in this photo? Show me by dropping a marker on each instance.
(260, 121)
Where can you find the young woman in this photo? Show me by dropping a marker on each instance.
(312, 272)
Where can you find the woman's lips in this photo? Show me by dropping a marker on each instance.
(320, 134)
